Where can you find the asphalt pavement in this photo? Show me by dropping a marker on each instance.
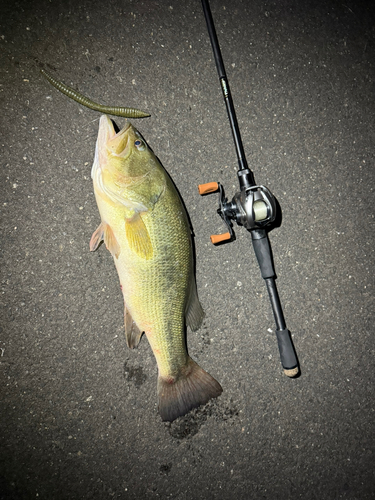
(78, 409)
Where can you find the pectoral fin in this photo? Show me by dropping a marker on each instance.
(138, 237)
(104, 232)
(132, 332)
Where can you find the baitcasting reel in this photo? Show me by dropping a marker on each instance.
(254, 207)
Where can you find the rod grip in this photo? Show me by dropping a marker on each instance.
(263, 253)
(287, 353)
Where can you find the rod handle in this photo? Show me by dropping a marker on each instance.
(287, 353)
(209, 187)
(262, 249)
(219, 238)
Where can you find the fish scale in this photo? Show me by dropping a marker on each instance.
(145, 226)
(170, 318)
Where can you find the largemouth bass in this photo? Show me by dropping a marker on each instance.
(145, 227)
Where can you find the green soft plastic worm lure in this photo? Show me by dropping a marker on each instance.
(85, 101)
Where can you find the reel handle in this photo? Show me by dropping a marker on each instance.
(212, 187)
(209, 187)
(220, 238)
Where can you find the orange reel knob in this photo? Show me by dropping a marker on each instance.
(218, 238)
(210, 187)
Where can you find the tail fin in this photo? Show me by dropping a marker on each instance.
(191, 388)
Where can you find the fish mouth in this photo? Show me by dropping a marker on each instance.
(117, 144)
(112, 144)
(107, 135)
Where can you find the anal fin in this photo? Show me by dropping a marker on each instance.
(132, 333)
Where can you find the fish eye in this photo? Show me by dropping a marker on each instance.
(139, 145)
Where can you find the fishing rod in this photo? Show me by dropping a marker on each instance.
(253, 207)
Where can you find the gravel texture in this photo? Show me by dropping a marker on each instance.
(78, 409)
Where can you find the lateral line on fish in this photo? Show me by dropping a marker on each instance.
(85, 101)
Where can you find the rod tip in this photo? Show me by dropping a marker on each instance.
(291, 372)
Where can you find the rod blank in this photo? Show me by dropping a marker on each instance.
(259, 236)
